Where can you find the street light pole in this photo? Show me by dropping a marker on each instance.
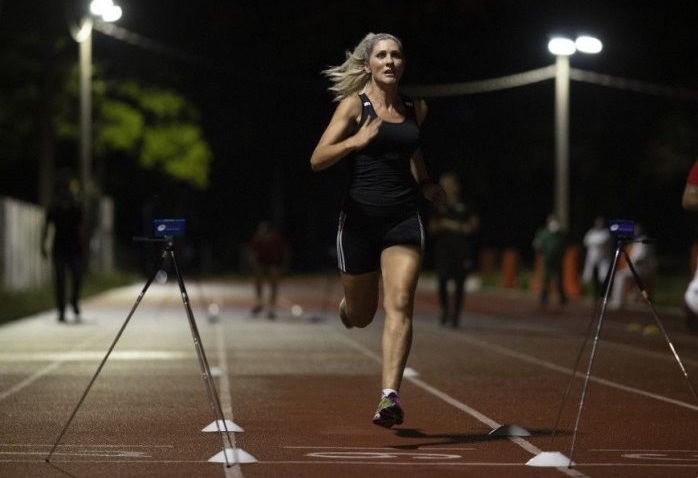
(563, 48)
(104, 10)
(562, 150)
(84, 39)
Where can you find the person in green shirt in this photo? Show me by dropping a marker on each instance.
(550, 242)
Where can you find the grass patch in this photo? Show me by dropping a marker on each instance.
(21, 304)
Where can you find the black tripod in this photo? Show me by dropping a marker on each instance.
(167, 253)
(621, 242)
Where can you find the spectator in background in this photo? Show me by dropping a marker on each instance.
(597, 242)
(453, 225)
(550, 242)
(270, 256)
(65, 217)
(689, 201)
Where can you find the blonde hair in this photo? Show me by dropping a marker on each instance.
(351, 77)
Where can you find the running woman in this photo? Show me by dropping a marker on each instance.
(380, 234)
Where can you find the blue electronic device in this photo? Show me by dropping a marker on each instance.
(622, 228)
(169, 227)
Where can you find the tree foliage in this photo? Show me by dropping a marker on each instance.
(155, 126)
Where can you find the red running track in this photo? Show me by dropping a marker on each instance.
(303, 389)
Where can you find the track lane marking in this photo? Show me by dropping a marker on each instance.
(224, 394)
(568, 371)
(60, 360)
(526, 445)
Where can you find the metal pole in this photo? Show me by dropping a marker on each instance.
(562, 173)
(86, 110)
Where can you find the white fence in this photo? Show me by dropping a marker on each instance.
(21, 264)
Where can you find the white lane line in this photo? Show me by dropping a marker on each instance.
(224, 394)
(568, 371)
(82, 355)
(643, 352)
(46, 370)
(526, 445)
(108, 462)
(473, 464)
(411, 464)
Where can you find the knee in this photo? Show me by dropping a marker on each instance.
(361, 316)
(400, 301)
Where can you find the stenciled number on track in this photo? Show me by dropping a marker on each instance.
(383, 455)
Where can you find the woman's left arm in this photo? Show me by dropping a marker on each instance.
(419, 171)
(431, 190)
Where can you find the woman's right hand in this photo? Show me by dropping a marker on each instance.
(367, 132)
(337, 141)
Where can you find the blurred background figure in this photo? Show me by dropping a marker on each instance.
(550, 242)
(689, 201)
(689, 198)
(453, 225)
(642, 256)
(65, 219)
(270, 256)
(598, 243)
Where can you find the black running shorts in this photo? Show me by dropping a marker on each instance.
(361, 238)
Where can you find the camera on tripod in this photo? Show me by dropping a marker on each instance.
(622, 228)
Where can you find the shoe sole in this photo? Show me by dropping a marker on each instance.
(343, 314)
(388, 417)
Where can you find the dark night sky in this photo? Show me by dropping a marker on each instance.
(253, 66)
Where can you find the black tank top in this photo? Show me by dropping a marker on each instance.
(382, 182)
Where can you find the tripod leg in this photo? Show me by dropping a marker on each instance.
(106, 357)
(599, 324)
(577, 361)
(203, 362)
(646, 297)
(602, 299)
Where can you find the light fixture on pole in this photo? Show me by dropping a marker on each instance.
(563, 48)
(103, 10)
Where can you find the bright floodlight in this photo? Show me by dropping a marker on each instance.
(106, 10)
(561, 46)
(113, 14)
(99, 7)
(587, 44)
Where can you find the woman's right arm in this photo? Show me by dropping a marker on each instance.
(337, 141)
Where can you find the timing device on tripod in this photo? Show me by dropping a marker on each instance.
(624, 232)
(164, 233)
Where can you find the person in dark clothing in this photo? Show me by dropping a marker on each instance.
(66, 218)
(550, 242)
(271, 256)
(453, 225)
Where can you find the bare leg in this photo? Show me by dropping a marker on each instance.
(361, 296)
(273, 277)
(400, 266)
(258, 289)
(273, 285)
